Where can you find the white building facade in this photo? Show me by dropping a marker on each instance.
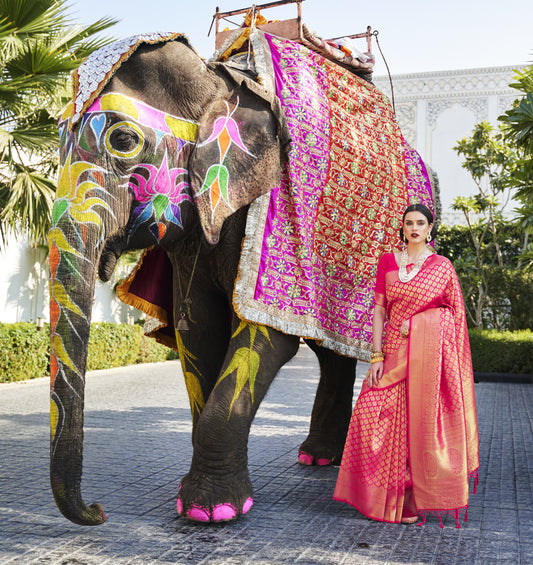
(24, 288)
(434, 111)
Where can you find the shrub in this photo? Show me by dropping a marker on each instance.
(24, 352)
(502, 352)
(150, 351)
(113, 345)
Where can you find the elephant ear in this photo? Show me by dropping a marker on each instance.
(239, 153)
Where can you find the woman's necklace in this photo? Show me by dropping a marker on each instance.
(404, 257)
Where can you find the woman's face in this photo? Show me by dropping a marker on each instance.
(416, 227)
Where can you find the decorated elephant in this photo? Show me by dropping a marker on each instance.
(232, 184)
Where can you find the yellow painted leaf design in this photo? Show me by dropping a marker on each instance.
(253, 333)
(255, 360)
(86, 217)
(53, 417)
(185, 355)
(60, 294)
(238, 357)
(60, 352)
(90, 202)
(196, 396)
(264, 331)
(68, 111)
(192, 380)
(246, 362)
(241, 327)
(57, 236)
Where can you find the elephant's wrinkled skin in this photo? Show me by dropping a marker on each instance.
(101, 211)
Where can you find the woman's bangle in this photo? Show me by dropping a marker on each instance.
(377, 357)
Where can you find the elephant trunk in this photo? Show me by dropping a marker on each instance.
(72, 283)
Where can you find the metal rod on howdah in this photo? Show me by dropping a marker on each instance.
(257, 7)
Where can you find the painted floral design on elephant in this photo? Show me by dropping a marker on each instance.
(225, 132)
(192, 376)
(82, 199)
(77, 204)
(245, 361)
(159, 189)
(160, 196)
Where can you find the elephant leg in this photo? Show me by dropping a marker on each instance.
(217, 487)
(203, 345)
(332, 409)
(202, 348)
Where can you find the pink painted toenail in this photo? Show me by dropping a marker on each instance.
(198, 514)
(247, 505)
(304, 458)
(323, 462)
(224, 512)
(179, 506)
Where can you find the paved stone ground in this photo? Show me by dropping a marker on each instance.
(137, 447)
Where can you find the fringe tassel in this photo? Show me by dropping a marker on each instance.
(123, 293)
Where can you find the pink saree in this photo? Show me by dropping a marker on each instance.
(413, 442)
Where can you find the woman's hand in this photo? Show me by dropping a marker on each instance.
(404, 329)
(374, 374)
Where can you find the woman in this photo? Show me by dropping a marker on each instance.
(413, 442)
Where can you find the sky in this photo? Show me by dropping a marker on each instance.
(414, 36)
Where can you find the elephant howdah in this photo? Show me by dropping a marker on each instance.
(270, 202)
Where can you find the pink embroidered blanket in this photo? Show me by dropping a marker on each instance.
(312, 245)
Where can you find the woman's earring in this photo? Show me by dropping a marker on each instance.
(428, 237)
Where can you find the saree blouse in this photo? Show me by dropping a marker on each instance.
(403, 300)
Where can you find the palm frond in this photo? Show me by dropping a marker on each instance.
(39, 48)
(27, 203)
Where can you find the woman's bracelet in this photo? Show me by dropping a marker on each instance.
(377, 357)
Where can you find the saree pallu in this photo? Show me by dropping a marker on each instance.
(412, 444)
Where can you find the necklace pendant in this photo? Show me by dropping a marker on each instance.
(403, 275)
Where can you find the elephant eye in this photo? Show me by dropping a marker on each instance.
(124, 139)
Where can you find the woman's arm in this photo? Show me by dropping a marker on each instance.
(378, 322)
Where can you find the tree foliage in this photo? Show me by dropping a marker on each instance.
(491, 162)
(518, 128)
(39, 47)
(508, 303)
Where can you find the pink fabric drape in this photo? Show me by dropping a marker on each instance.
(413, 440)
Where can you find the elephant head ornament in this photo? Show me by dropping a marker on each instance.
(164, 143)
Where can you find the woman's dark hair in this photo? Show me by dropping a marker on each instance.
(423, 210)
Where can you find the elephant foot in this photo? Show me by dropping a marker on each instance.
(194, 504)
(305, 458)
(309, 454)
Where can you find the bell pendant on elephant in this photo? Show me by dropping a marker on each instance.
(183, 325)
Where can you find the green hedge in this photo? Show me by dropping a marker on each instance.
(25, 353)
(502, 352)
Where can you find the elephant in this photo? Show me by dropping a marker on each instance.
(103, 208)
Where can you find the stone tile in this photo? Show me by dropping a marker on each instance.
(137, 448)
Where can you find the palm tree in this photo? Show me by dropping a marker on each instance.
(39, 47)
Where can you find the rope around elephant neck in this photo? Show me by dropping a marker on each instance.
(185, 307)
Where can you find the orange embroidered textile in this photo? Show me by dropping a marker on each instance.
(415, 437)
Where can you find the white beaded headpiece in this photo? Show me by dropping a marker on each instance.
(96, 71)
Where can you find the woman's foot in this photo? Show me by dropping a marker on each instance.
(412, 520)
